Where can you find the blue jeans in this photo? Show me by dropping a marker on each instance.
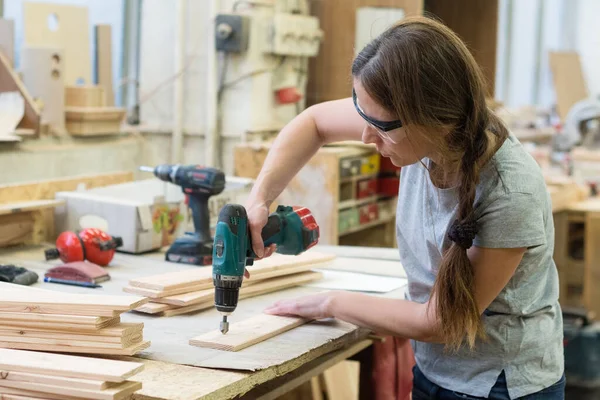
(424, 389)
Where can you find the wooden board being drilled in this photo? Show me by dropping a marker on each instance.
(248, 332)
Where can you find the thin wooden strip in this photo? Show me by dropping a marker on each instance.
(9, 295)
(280, 273)
(191, 277)
(119, 330)
(22, 394)
(127, 351)
(248, 332)
(53, 380)
(155, 294)
(153, 308)
(268, 286)
(64, 327)
(118, 392)
(59, 341)
(17, 397)
(82, 320)
(68, 366)
(171, 312)
(22, 307)
(202, 296)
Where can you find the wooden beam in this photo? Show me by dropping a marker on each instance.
(104, 77)
(10, 82)
(7, 40)
(24, 206)
(68, 366)
(46, 189)
(248, 332)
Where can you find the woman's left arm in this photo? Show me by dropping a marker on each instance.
(493, 269)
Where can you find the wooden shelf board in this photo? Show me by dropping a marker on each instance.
(356, 178)
(357, 202)
(366, 226)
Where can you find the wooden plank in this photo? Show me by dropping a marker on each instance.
(42, 70)
(63, 327)
(121, 391)
(341, 381)
(111, 334)
(126, 351)
(152, 308)
(96, 322)
(56, 339)
(569, 81)
(85, 96)
(68, 366)
(104, 76)
(157, 294)
(16, 228)
(7, 40)
(47, 189)
(22, 394)
(71, 32)
(248, 332)
(10, 82)
(199, 276)
(53, 380)
(24, 206)
(207, 300)
(54, 302)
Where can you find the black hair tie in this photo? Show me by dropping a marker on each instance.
(463, 234)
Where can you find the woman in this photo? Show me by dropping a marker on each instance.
(474, 221)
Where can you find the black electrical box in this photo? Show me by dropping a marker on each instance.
(232, 32)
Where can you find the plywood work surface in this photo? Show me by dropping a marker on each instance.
(173, 368)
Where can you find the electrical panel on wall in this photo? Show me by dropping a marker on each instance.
(294, 35)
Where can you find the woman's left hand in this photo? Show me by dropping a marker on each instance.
(317, 306)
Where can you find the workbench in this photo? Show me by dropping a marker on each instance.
(176, 370)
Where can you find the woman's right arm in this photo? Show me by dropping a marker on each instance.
(295, 145)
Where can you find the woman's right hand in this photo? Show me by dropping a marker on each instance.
(258, 214)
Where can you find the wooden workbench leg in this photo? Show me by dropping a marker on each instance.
(386, 370)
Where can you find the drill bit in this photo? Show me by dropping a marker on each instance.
(146, 169)
(224, 325)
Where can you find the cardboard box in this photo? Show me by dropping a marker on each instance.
(147, 214)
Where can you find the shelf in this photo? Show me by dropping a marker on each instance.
(357, 202)
(366, 226)
(357, 178)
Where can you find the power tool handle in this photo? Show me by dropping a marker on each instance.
(200, 215)
(271, 229)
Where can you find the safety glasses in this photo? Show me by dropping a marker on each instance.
(382, 127)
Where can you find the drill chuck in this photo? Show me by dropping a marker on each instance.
(227, 291)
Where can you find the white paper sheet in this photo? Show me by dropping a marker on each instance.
(339, 280)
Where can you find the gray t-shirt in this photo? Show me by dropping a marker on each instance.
(524, 323)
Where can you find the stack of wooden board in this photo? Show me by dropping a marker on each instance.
(37, 319)
(36, 375)
(192, 290)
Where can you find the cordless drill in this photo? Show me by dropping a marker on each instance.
(198, 183)
(292, 229)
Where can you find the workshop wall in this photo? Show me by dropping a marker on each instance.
(523, 72)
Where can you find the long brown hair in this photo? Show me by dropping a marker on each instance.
(421, 71)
